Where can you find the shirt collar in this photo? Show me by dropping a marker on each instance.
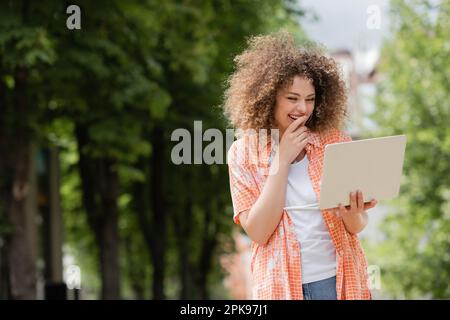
(315, 139)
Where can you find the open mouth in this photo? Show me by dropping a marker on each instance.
(294, 116)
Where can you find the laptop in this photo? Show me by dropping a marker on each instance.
(373, 166)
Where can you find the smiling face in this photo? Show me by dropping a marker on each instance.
(294, 101)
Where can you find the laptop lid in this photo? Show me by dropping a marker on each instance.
(373, 166)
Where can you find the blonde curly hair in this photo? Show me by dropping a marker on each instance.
(269, 64)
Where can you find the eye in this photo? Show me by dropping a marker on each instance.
(292, 99)
(310, 99)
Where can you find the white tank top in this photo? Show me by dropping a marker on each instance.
(318, 254)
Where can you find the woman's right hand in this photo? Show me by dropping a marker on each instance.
(293, 141)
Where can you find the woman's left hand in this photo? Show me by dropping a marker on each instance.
(357, 205)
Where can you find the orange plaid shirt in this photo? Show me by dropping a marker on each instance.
(275, 266)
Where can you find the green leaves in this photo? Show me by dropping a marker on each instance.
(414, 99)
(159, 103)
(133, 67)
(25, 46)
(118, 140)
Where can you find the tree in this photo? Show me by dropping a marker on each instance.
(413, 99)
(103, 84)
(116, 89)
(26, 50)
(188, 202)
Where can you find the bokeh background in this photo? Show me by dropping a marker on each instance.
(91, 205)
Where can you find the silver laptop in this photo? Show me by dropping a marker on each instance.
(373, 166)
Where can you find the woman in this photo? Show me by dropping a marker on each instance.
(296, 254)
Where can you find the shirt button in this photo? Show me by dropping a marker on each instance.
(331, 225)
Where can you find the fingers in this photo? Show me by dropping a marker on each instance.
(297, 123)
(302, 143)
(302, 136)
(301, 133)
(371, 204)
(360, 205)
(357, 204)
(359, 200)
(353, 203)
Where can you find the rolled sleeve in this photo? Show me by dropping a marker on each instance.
(243, 187)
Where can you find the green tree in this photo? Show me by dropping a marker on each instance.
(181, 208)
(413, 99)
(104, 82)
(114, 92)
(26, 50)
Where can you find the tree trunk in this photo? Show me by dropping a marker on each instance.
(5, 182)
(52, 227)
(159, 228)
(209, 243)
(100, 186)
(183, 233)
(136, 267)
(149, 200)
(141, 203)
(20, 243)
(108, 232)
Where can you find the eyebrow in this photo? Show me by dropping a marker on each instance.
(311, 94)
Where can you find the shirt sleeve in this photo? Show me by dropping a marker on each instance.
(243, 187)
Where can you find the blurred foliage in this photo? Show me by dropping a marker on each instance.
(133, 68)
(413, 99)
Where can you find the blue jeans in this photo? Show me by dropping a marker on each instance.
(320, 290)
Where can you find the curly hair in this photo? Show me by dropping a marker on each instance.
(269, 64)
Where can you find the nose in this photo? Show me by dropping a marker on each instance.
(301, 106)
